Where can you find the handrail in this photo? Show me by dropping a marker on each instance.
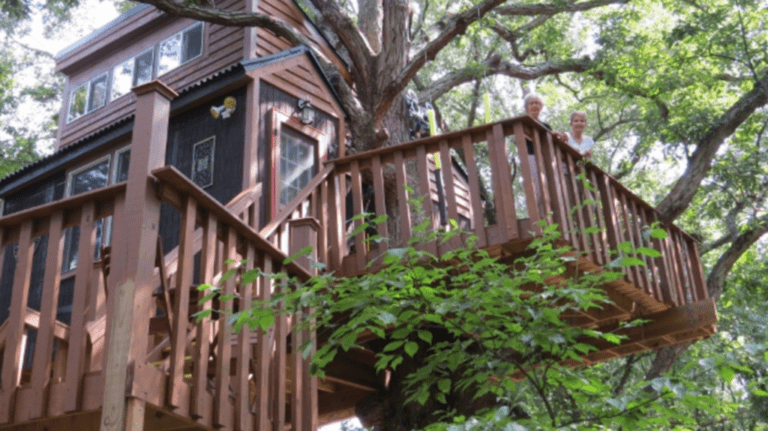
(283, 215)
(176, 182)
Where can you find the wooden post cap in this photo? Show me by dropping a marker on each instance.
(156, 86)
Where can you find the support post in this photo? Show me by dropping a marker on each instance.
(132, 272)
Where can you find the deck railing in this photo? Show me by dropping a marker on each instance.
(529, 177)
(200, 370)
(63, 374)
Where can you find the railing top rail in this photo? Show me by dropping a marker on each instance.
(283, 215)
(172, 177)
(42, 211)
(478, 134)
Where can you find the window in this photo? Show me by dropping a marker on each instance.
(297, 163)
(180, 48)
(91, 177)
(88, 97)
(136, 71)
(202, 162)
(122, 160)
(172, 52)
(297, 149)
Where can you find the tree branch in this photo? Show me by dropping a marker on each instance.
(494, 66)
(553, 8)
(453, 26)
(348, 33)
(686, 186)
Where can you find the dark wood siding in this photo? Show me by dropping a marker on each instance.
(271, 97)
(186, 130)
(223, 48)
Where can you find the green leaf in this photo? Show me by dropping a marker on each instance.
(393, 345)
(411, 348)
(631, 261)
(612, 338)
(726, 373)
(659, 233)
(650, 252)
(625, 246)
(444, 385)
(426, 336)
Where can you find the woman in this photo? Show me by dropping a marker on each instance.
(577, 139)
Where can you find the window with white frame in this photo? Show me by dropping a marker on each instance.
(94, 175)
(133, 72)
(180, 48)
(88, 97)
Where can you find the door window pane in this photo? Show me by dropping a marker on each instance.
(297, 163)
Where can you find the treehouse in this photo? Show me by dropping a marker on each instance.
(183, 144)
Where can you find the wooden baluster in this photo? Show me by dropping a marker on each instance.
(44, 345)
(380, 203)
(638, 235)
(264, 342)
(685, 273)
(609, 213)
(552, 156)
(425, 189)
(14, 345)
(505, 204)
(573, 195)
(450, 188)
(180, 315)
(402, 198)
(674, 271)
(222, 414)
(278, 370)
(685, 297)
(76, 353)
(336, 224)
(599, 218)
(322, 239)
(546, 200)
(626, 234)
(243, 417)
(201, 398)
(528, 182)
(357, 210)
(666, 281)
(698, 272)
(653, 264)
(478, 215)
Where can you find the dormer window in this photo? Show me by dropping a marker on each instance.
(180, 48)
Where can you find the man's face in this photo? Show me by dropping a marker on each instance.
(533, 107)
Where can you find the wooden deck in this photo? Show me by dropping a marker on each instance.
(182, 374)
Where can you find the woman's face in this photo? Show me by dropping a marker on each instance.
(533, 107)
(578, 123)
